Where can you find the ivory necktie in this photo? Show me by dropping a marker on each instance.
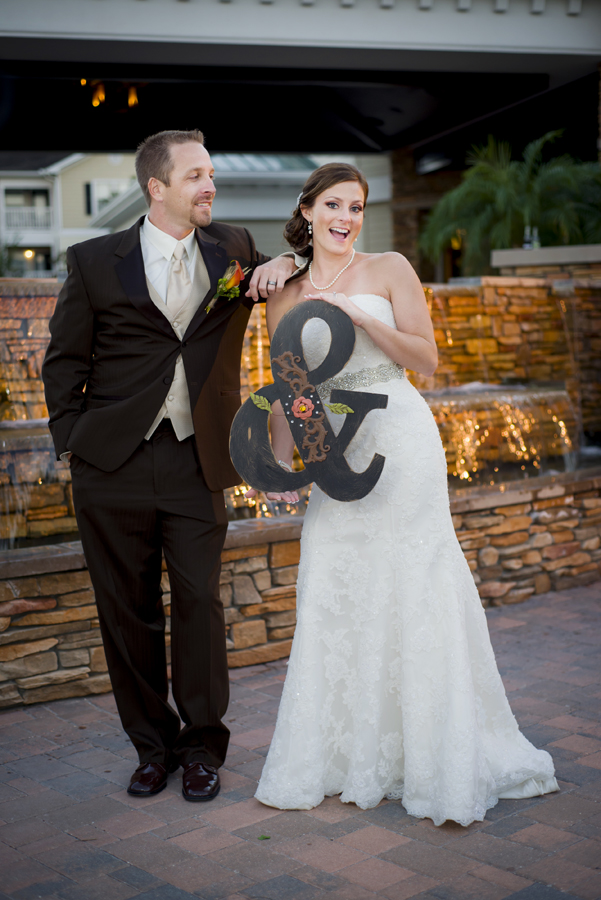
(178, 289)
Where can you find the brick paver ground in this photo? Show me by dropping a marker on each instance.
(69, 830)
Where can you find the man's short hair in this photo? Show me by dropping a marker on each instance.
(153, 156)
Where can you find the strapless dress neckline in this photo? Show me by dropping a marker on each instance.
(377, 297)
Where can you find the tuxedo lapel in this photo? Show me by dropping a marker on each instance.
(131, 274)
(216, 261)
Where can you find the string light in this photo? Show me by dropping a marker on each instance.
(485, 429)
(99, 95)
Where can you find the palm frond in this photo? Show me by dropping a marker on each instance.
(496, 154)
(498, 196)
(532, 155)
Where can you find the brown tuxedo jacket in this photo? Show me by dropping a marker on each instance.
(112, 353)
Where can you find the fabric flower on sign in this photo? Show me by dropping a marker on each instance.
(302, 408)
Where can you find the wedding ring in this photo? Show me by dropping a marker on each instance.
(272, 282)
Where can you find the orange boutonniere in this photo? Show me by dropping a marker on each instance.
(228, 285)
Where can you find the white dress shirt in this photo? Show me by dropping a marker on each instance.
(157, 252)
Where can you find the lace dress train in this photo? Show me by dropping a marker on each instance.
(392, 687)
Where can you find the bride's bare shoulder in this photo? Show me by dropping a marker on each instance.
(390, 261)
(395, 271)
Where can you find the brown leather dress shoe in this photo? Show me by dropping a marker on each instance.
(149, 778)
(200, 782)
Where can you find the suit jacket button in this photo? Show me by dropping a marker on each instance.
(166, 380)
(184, 343)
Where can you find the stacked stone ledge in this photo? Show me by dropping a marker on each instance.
(50, 644)
(532, 537)
(259, 586)
(519, 539)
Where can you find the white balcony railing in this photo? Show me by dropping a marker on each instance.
(27, 218)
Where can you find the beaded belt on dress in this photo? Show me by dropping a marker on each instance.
(362, 378)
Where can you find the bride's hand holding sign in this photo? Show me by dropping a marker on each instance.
(356, 315)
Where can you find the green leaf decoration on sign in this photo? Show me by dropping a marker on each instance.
(340, 409)
(261, 402)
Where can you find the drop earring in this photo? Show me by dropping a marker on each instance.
(310, 228)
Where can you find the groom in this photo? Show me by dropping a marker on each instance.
(142, 384)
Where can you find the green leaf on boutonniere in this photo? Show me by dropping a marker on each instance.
(261, 402)
(340, 409)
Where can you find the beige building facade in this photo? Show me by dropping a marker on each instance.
(89, 184)
(44, 211)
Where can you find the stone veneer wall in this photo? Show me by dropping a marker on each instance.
(519, 539)
(580, 271)
(26, 305)
(35, 489)
(582, 306)
(520, 328)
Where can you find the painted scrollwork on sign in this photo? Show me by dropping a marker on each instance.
(291, 372)
(321, 450)
(315, 439)
(303, 407)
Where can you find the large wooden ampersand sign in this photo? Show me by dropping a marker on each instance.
(321, 451)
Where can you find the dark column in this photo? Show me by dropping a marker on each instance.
(413, 196)
(599, 118)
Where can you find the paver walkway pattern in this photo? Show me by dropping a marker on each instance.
(69, 830)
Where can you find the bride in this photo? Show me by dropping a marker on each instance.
(392, 687)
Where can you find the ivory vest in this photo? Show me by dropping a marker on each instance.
(177, 402)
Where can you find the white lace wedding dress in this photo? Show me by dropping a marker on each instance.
(392, 687)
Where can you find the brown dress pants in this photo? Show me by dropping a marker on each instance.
(158, 502)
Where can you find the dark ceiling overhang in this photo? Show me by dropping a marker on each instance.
(289, 99)
(558, 67)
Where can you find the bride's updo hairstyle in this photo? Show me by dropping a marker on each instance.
(296, 231)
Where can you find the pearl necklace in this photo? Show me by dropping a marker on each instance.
(328, 286)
